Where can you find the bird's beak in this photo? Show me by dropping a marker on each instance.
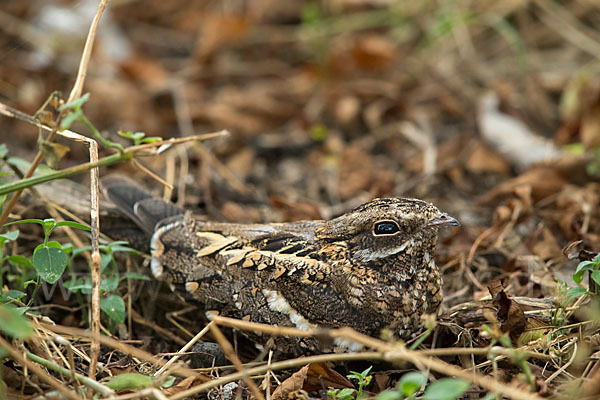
(444, 220)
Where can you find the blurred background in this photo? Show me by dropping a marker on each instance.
(489, 109)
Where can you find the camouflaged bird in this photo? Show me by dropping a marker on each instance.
(369, 269)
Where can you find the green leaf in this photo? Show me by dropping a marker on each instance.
(151, 139)
(446, 389)
(389, 395)
(129, 382)
(26, 221)
(13, 323)
(80, 250)
(69, 119)
(585, 265)
(345, 393)
(575, 292)
(55, 244)
(49, 223)
(596, 276)
(50, 263)
(366, 371)
(12, 295)
(581, 268)
(17, 259)
(134, 275)
(124, 249)
(75, 104)
(73, 224)
(358, 375)
(411, 382)
(168, 382)
(83, 285)
(67, 247)
(125, 134)
(114, 307)
(3, 150)
(109, 284)
(25, 165)
(12, 235)
(104, 261)
(29, 282)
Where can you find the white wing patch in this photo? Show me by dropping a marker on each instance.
(278, 303)
(343, 345)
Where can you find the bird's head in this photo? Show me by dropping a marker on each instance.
(386, 227)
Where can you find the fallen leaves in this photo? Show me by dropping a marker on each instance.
(311, 377)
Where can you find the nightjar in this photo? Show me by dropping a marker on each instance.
(370, 269)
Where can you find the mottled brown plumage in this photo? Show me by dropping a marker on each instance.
(369, 269)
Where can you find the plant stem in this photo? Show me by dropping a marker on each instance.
(99, 388)
(64, 173)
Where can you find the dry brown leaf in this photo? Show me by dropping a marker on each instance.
(544, 181)
(534, 329)
(310, 378)
(218, 30)
(295, 211)
(381, 382)
(590, 125)
(546, 247)
(186, 384)
(347, 109)
(241, 214)
(146, 70)
(320, 375)
(484, 159)
(373, 52)
(355, 172)
(509, 313)
(291, 384)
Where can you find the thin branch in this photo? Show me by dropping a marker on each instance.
(184, 349)
(87, 53)
(230, 353)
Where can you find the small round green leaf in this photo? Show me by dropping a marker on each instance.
(114, 307)
(129, 382)
(13, 323)
(411, 382)
(54, 243)
(446, 389)
(50, 263)
(12, 235)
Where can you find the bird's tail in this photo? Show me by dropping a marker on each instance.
(135, 202)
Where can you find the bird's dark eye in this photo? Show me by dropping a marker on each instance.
(386, 228)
